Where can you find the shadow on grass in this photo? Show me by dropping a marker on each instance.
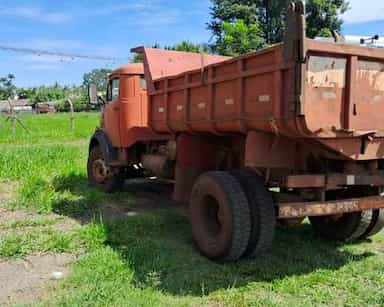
(156, 243)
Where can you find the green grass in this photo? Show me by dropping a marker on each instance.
(29, 223)
(149, 259)
(44, 241)
(48, 128)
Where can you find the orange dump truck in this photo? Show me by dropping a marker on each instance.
(292, 131)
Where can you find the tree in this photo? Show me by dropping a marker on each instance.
(323, 16)
(238, 38)
(183, 46)
(7, 89)
(98, 77)
(187, 46)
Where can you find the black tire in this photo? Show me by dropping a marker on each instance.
(290, 222)
(376, 225)
(220, 216)
(112, 183)
(263, 214)
(348, 227)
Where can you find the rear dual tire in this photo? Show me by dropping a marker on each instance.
(350, 226)
(376, 225)
(232, 215)
(262, 210)
(220, 216)
(347, 227)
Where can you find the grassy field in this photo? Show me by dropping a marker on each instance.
(146, 257)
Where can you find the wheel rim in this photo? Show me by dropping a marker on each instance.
(101, 172)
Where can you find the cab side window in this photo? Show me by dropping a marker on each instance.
(143, 82)
(113, 90)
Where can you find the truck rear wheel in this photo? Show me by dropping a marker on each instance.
(345, 227)
(263, 216)
(102, 176)
(220, 216)
(376, 225)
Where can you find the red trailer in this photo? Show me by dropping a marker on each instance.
(304, 119)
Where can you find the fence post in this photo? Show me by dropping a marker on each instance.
(12, 116)
(72, 116)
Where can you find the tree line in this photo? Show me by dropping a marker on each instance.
(55, 93)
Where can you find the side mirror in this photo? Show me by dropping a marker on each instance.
(93, 94)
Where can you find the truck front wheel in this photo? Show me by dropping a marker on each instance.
(220, 216)
(102, 176)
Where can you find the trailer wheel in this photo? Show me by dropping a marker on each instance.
(263, 215)
(346, 227)
(377, 224)
(100, 175)
(220, 217)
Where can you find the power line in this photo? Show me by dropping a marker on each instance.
(59, 54)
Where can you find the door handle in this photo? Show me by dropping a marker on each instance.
(116, 108)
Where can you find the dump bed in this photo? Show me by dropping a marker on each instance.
(340, 90)
(329, 94)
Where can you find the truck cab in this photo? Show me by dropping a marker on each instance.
(115, 149)
(126, 104)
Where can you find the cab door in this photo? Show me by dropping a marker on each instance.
(112, 112)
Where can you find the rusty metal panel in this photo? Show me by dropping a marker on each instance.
(305, 181)
(166, 63)
(367, 112)
(267, 151)
(295, 210)
(360, 147)
(325, 92)
(234, 95)
(333, 181)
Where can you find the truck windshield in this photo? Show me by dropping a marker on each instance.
(113, 90)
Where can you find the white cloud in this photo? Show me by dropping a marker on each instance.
(39, 14)
(36, 14)
(141, 13)
(108, 10)
(158, 18)
(363, 11)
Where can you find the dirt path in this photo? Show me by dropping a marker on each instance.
(25, 281)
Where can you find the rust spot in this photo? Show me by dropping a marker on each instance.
(295, 210)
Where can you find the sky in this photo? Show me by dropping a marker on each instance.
(112, 28)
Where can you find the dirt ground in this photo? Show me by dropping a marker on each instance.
(28, 280)
(25, 281)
